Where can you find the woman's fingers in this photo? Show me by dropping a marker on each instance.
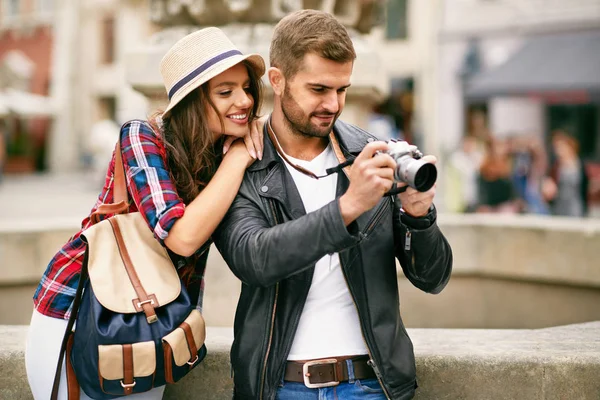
(227, 143)
(256, 133)
(250, 146)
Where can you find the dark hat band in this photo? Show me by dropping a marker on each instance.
(201, 69)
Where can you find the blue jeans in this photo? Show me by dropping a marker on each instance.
(357, 389)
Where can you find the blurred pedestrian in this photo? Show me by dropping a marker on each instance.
(177, 178)
(529, 163)
(521, 163)
(382, 124)
(496, 189)
(477, 127)
(463, 174)
(566, 187)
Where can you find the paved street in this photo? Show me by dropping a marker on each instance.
(46, 199)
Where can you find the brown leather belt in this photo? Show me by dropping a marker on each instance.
(327, 371)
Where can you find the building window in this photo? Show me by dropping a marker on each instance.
(396, 21)
(108, 40)
(107, 108)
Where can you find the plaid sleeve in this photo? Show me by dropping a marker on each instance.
(148, 178)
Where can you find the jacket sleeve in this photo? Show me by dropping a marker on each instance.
(261, 255)
(423, 251)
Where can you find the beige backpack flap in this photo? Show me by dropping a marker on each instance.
(129, 269)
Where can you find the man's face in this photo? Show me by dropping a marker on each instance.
(314, 98)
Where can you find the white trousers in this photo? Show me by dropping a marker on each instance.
(41, 357)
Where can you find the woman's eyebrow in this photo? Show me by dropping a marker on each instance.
(231, 83)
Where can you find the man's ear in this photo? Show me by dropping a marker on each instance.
(277, 80)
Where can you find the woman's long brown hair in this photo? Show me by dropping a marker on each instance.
(193, 156)
(494, 166)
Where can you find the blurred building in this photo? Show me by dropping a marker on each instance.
(430, 63)
(92, 39)
(529, 66)
(107, 54)
(101, 58)
(26, 39)
(406, 38)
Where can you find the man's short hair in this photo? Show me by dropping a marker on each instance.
(309, 31)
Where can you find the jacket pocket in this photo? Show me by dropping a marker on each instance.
(125, 369)
(184, 347)
(374, 221)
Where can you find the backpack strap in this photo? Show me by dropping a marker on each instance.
(120, 185)
(73, 391)
(120, 205)
(67, 342)
(120, 199)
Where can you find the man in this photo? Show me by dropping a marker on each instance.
(319, 301)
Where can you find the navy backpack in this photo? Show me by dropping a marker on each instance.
(136, 328)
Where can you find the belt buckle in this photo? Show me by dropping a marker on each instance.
(306, 374)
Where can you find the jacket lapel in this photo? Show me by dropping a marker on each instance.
(279, 185)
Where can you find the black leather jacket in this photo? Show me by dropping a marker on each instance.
(272, 245)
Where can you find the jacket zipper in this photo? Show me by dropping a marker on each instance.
(407, 248)
(264, 370)
(375, 220)
(371, 361)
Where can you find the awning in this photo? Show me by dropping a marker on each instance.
(25, 104)
(559, 65)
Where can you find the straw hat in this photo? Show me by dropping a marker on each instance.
(199, 57)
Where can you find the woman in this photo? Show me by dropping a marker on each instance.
(183, 171)
(567, 186)
(496, 193)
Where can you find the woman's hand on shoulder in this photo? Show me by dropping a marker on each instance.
(256, 135)
(252, 141)
(237, 152)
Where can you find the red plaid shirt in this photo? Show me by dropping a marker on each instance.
(152, 193)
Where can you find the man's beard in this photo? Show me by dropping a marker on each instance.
(299, 123)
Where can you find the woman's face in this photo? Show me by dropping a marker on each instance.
(230, 93)
(562, 149)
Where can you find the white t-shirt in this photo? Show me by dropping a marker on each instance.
(329, 324)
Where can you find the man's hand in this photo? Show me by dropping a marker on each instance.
(370, 178)
(415, 203)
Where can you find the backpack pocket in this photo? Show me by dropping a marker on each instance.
(125, 369)
(184, 347)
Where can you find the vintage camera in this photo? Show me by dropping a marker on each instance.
(418, 174)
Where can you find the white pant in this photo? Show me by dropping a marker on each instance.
(41, 356)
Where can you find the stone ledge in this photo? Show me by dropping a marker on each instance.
(495, 246)
(468, 364)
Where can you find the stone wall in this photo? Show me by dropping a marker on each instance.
(550, 364)
(509, 272)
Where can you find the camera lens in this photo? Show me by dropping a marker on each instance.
(425, 177)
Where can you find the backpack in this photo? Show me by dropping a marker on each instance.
(136, 327)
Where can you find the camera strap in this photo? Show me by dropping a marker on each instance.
(329, 171)
(300, 169)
